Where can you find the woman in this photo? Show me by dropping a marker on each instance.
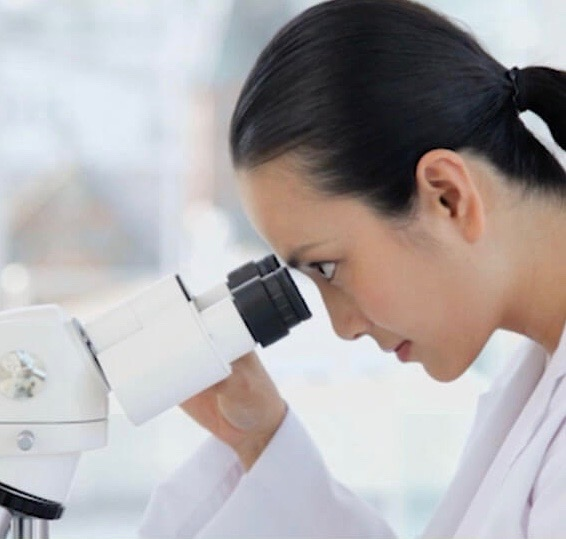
(379, 149)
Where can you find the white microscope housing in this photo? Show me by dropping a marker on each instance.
(153, 351)
(53, 401)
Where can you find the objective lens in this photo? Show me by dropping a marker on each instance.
(252, 269)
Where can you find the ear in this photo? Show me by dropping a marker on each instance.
(447, 189)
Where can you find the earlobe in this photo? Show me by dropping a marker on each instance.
(447, 189)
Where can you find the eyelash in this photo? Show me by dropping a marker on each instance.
(320, 268)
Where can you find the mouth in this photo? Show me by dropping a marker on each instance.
(389, 350)
(403, 351)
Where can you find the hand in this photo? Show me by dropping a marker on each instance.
(244, 410)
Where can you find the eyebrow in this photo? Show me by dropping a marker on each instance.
(293, 261)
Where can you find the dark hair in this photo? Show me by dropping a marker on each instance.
(361, 89)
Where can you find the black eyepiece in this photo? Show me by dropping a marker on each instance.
(270, 305)
(286, 297)
(252, 269)
(267, 265)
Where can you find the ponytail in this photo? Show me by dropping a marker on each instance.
(542, 90)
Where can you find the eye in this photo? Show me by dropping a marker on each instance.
(326, 269)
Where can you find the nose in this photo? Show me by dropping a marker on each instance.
(348, 322)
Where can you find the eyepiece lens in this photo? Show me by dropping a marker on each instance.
(268, 265)
(248, 271)
(286, 297)
(270, 305)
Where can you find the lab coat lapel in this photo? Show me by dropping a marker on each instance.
(496, 413)
(542, 383)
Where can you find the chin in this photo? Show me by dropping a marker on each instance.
(447, 366)
(443, 372)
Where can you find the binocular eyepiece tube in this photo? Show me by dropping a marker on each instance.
(164, 345)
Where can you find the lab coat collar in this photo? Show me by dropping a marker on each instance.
(559, 356)
(543, 374)
(506, 419)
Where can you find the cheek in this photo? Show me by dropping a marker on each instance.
(451, 330)
(448, 358)
(378, 294)
(404, 295)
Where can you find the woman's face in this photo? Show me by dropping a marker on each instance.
(412, 287)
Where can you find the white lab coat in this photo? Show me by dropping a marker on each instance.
(511, 482)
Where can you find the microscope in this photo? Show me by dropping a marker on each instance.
(153, 351)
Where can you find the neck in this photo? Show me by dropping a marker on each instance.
(538, 275)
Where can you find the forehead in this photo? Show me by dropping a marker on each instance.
(282, 205)
(275, 189)
(289, 213)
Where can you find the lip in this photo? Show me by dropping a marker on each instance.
(403, 351)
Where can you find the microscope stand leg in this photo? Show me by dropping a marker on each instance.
(24, 527)
(5, 522)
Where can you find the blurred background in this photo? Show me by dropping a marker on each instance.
(114, 170)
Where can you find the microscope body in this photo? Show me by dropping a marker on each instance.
(54, 403)
(152, 351)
